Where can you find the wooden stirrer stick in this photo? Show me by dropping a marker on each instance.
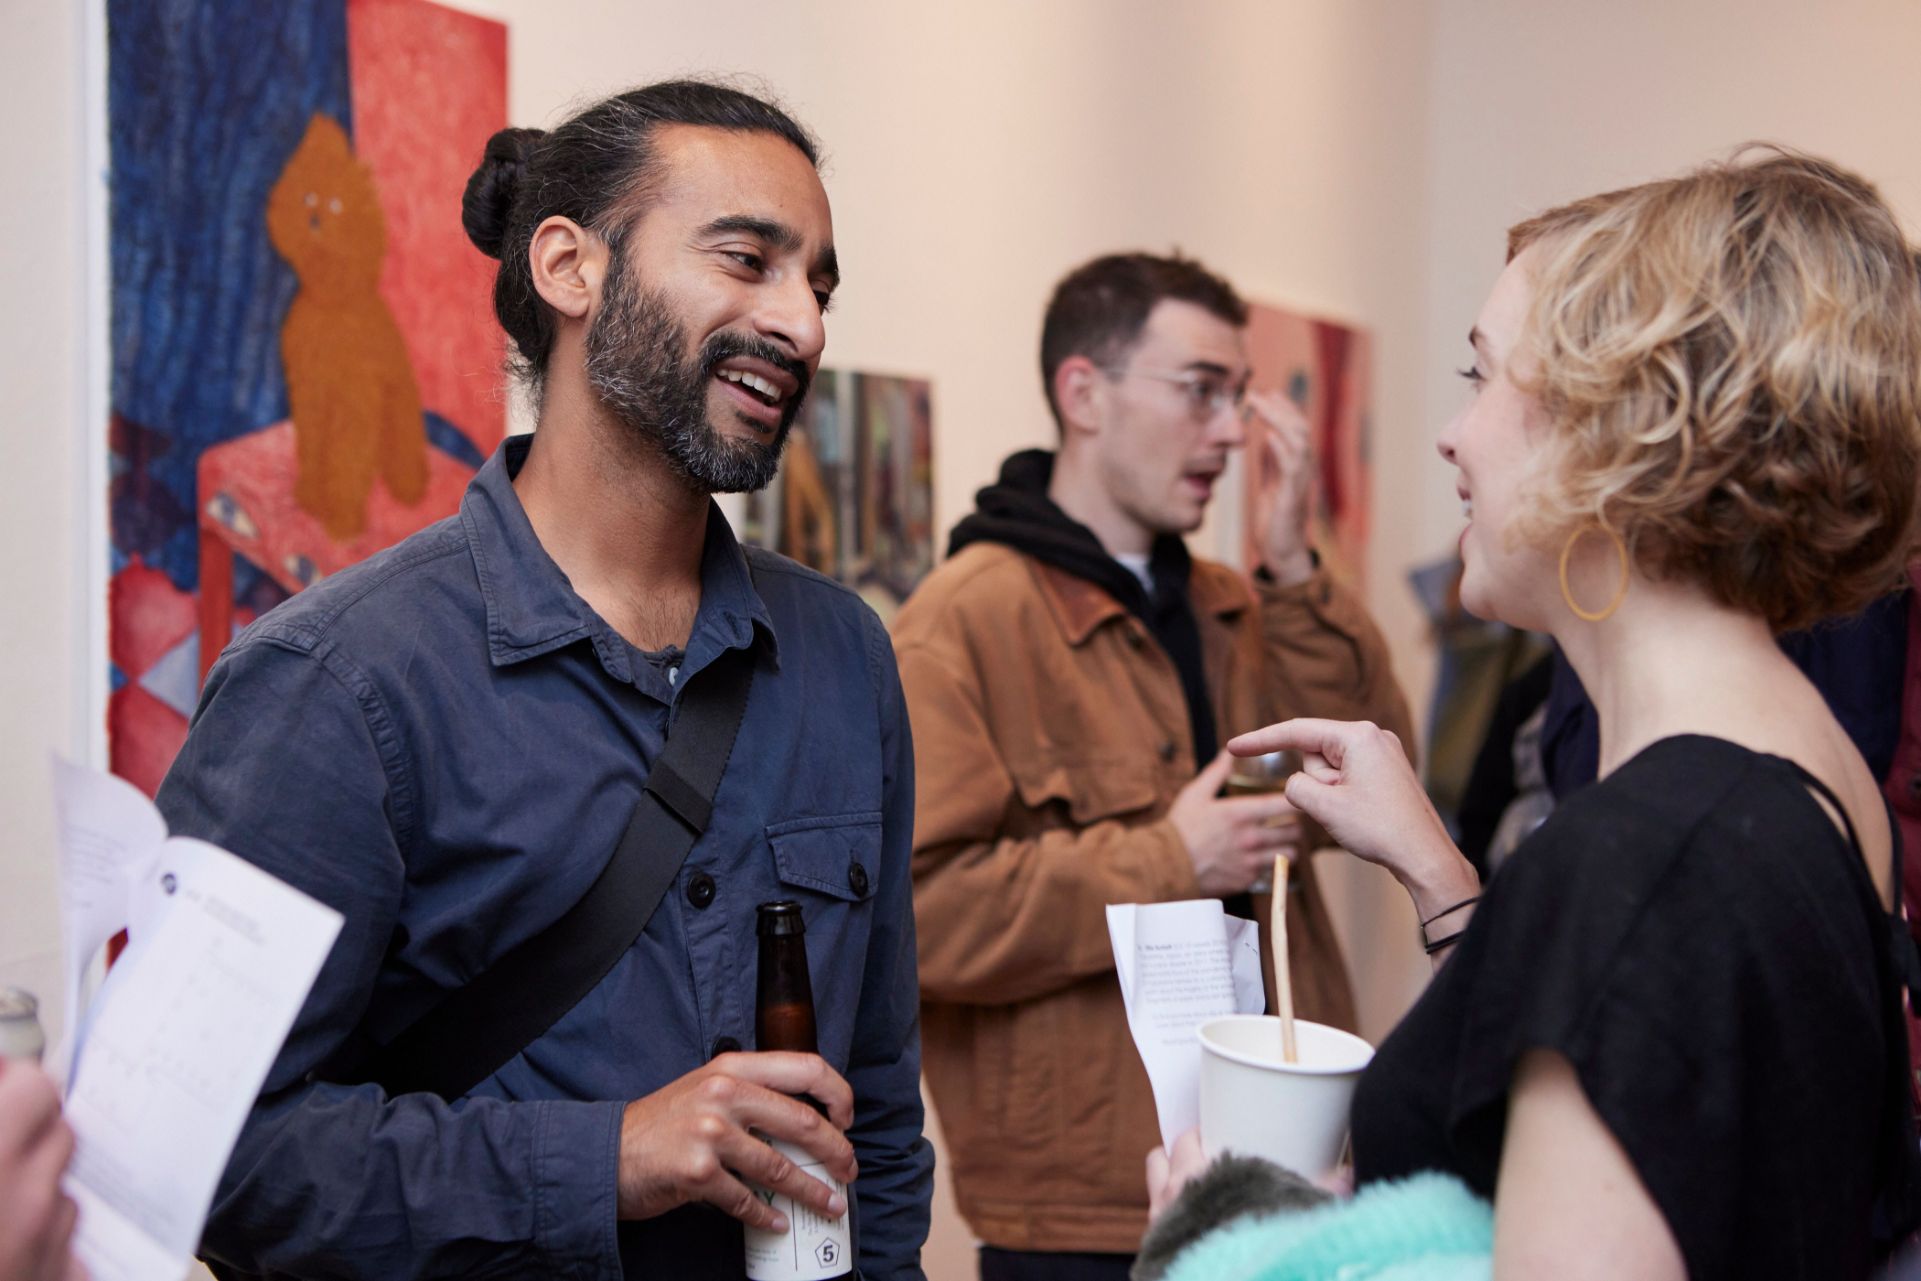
(1283, 985)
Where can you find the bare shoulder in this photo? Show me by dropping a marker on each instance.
(1802, 730)
(1840, 766)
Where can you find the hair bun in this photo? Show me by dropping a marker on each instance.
(488, 204)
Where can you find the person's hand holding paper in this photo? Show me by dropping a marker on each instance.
(167, 1061)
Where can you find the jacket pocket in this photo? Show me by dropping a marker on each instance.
(1089, 790)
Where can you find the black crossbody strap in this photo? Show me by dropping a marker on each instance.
(473, 1032)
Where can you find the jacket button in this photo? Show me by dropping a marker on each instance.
(1167, 750)
(725, 1045)
(857, 879)
(700, 890)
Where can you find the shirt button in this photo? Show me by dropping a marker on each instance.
(725, 1045)
(1167, 750)
(857, 879)
(700, 890)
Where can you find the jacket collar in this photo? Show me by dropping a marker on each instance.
(1220, 591)
(1080, 607)
(532, 609)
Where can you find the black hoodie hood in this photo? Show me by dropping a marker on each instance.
(1016, 512)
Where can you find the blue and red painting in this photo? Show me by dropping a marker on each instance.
(305, 368)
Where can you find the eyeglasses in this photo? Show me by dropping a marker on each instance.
(1206, 394)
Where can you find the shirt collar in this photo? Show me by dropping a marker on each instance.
(732, 613)
(532, 609)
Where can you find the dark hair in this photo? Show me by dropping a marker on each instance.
(597, 169)
(1099, 310)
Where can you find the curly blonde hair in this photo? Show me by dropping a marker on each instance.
(1730, 362)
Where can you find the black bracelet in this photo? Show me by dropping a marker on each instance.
(1440, 943)
(1448, 911)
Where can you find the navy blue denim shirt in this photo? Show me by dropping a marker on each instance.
(445, 743)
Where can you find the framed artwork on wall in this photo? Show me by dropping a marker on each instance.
(855, 494)
(303, 362)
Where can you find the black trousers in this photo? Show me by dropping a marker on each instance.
(1047, 1265)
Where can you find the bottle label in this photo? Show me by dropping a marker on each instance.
(814, 1247)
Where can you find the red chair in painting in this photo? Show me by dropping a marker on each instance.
(247, 508)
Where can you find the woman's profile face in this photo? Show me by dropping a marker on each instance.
(1492, 442)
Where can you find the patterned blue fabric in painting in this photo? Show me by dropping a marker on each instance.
(206, 100)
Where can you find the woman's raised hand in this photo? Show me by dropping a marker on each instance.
(1356, 782)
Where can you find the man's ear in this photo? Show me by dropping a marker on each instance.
(569, 265)
(1080, 390)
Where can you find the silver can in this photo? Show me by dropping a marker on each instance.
(20, 1033)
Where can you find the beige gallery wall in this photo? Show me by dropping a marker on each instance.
(45, 650)
(1358, 157)
(1535, 103)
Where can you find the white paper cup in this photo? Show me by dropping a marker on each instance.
(1255, 1104)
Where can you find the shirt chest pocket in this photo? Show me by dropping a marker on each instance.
(833, 859)
(830, 865)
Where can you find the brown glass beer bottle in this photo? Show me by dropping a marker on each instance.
(813, 1248)
(784, 998)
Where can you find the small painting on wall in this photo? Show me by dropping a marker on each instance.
(855, 494)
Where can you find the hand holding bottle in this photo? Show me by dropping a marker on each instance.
(689, 1141)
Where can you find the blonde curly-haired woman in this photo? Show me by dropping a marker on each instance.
(1667, 1039)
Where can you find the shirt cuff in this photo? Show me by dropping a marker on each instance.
(576, 1187)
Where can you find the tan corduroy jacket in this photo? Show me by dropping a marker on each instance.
(1050, 738)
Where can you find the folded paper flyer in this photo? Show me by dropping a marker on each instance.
(163, 1066)
(1180, 965)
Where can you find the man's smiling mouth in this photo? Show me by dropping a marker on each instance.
(754, 383)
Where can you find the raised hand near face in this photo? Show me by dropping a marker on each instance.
(1280, 443)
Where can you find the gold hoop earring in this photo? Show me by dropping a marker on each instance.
(1620, 587)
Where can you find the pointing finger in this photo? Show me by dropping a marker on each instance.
(1329, 739)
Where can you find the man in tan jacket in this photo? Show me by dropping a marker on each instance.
(1070, 674)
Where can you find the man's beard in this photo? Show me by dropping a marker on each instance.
(634, 366)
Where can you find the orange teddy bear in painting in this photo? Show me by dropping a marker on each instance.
(350, 385)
